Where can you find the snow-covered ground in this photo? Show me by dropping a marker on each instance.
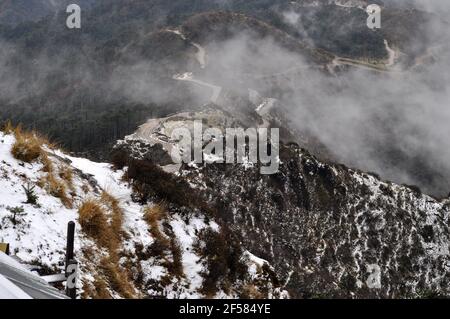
(41, 232)
(39, 235)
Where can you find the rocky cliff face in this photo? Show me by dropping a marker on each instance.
(328, 230)
(314, 229)
(323, 227)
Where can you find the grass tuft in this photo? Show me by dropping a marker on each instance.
(28, 146)
(56, 188)
(153, 215)
(162, 243)
(92, 219)
(107, 232)
(8, 128)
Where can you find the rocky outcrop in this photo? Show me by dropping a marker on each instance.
(328, 230)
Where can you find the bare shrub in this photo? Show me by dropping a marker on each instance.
(222, 253)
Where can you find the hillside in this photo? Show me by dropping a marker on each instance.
(106, 66)
(358, 206)
(321, 226)
(126, 249)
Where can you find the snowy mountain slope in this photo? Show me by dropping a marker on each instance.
(326, 229)
(138, 266)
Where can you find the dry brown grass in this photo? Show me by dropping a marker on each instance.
(28, 146)
(100, 290)
(117, 214)
(66, 174)
(8, 128)
(85, 188)
(153, 215)
(176, 266)
(250, 291)
(117, 277)
(47, 163)
(96, 290)
(92, 219)
(56, 188)
(162, 243)
(109, 200)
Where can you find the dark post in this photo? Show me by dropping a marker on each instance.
(70, 242)
(70, 270)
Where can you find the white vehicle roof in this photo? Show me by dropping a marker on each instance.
(17, 282)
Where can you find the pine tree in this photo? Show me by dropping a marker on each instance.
(32, 198)
(16, 212)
